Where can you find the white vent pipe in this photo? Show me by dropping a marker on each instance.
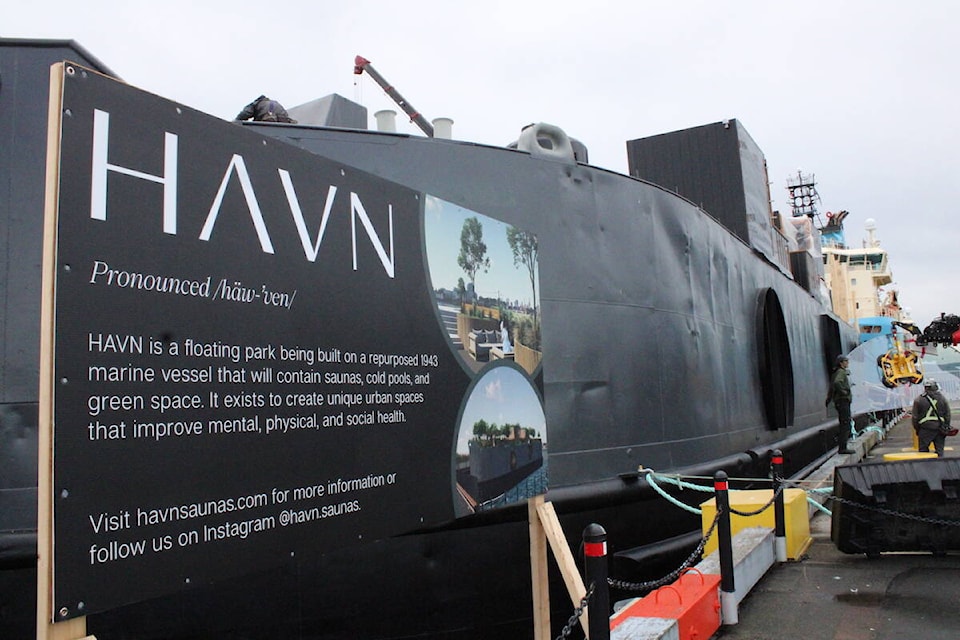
(386, 120)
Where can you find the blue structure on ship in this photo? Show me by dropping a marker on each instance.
(874, 326)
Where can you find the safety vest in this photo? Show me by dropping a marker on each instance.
(932, 413)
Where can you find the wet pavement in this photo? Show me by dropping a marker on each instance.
(829, 595)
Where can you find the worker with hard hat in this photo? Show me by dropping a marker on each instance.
(931, 418)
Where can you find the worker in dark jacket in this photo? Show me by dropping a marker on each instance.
(842, 396)
(931, 418)
(263, 109)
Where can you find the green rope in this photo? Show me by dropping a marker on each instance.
(675, 480)
(819, 506)
(671, 499)
(653, 477)
(879, 430)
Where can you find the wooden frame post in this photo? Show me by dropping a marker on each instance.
(75, 628)
(538, 572)
(545, 526)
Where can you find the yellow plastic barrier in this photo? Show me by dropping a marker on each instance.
(796, 517)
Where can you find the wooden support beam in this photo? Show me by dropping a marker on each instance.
(538, 571)
(75, 628)
(549, 527)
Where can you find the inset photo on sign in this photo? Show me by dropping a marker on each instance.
(484, 275)
(500, 455)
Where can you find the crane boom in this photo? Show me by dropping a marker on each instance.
(361, 64)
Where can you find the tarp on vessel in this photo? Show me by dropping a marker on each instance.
(870, 394)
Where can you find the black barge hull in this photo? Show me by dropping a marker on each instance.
(673, 343)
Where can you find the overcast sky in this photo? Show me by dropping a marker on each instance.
(862, 94)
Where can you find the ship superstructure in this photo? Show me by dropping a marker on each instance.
(855, 276)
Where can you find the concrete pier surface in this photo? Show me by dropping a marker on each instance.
(829, 595)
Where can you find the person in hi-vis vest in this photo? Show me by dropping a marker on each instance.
(931, 417)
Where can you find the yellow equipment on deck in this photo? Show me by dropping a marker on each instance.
(899, 366)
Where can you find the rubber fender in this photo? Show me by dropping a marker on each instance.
(549, 141)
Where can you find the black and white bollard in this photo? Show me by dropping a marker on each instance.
(728, 596)
(596, 572)
(779, 513)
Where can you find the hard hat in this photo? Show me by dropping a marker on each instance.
(842, 358)
(930, 383)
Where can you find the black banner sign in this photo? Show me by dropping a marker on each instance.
(247, 359)
(250, 357)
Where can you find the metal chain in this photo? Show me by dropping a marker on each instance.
(691, 559)
(896, 514)
(577, 612)
(623, 585)
(673, 575)
(748, 514)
